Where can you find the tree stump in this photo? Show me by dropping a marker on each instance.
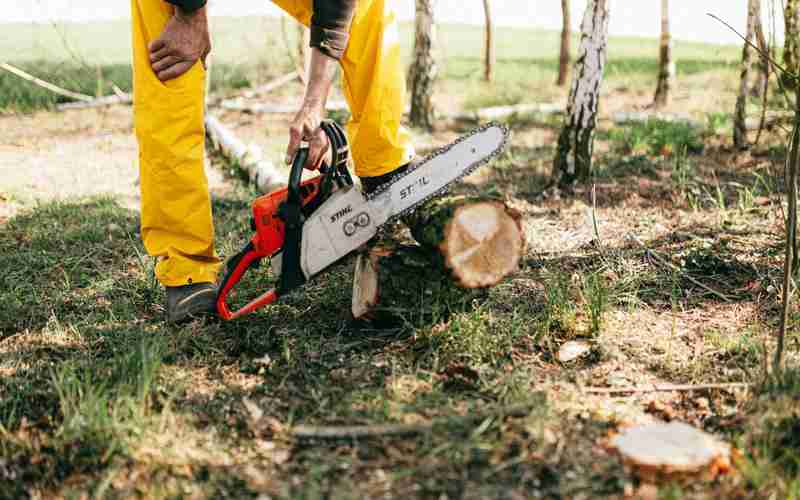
(463, 243)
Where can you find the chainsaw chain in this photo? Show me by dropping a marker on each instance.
(386, 186)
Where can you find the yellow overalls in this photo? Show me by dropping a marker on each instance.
(168, 118)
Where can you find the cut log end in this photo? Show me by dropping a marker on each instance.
(365, 285)
(482, 244)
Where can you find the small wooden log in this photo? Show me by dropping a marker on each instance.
(480, 240)
(464, 243)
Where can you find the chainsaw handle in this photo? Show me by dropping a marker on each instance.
(238, 265)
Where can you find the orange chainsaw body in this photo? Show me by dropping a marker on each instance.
(268, 225)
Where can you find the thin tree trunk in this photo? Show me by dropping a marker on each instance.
(573, 159)
(791, 48)
(762, 77)
(490, 52)
(740, 114)
(422, 72)
(666, 73)
(566, 38)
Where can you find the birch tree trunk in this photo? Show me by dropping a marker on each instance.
(666, 72)
(791, 48)
(566, 38)
(422, 72)
(740, 114)
(490, 52)
(573, 159)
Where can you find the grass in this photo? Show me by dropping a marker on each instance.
(252, 50)
(99, 397)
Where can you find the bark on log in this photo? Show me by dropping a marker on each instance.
(573, 160)
(259, 170)
(666, 73)
(469, 243)
(566, 38)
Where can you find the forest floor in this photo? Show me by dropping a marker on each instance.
(668, 265)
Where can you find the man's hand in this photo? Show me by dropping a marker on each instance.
(185, 40)
(306, 128)
(306, 124)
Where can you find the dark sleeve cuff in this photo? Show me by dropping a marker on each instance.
(188, 5)
(330, 26)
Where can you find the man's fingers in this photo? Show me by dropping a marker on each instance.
(165, 63)
(317, 149)
(295, 137)
(174, 71)
(159, 54)
(156, 45)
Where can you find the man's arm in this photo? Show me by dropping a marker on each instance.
(330, 32)
(330, 26)
(306, 124)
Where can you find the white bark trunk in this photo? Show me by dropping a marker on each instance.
(575, 145)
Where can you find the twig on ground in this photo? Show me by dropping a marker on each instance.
(46, 85)
(675, 268)
(399, 430)
(662, 388)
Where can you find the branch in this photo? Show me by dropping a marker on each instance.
(763, 54)
(662, 388)
(47, 85)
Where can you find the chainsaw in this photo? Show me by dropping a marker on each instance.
(306, 227)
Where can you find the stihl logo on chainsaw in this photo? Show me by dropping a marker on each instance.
(341, 213)
(411, 188)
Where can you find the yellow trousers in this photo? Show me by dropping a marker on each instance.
(176, 221)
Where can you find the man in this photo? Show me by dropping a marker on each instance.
(170, 44)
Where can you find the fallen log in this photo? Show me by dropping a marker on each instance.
(467, 243)
(250, 159)
(97, 103)
(259, 108)
(502, 112)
